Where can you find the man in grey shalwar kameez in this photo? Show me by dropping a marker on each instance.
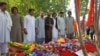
(16, 34)
(40, 28)
(69, 21)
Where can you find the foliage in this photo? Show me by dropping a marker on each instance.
(84, 5)
(44, 5)
(38, 5)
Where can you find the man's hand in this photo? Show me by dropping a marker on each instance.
(65, 29)
(25, 31)
(58, 30)
(37, 31)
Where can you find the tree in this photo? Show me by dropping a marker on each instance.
(97, 26)
(77, 2)
(38, 5)
(84, 5)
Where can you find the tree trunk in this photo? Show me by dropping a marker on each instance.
(96, 26)
(99, 25)
(80, 36)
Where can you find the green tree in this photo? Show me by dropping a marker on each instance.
(84, 5)
(38, 5)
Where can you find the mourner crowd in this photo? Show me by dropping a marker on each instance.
(41, 29)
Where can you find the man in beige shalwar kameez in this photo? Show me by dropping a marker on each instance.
(16, 34)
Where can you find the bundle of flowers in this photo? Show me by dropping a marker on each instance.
(60, 47)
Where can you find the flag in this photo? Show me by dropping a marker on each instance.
(91, 14)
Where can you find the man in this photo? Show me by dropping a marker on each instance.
(83, 24)
(48, 28)
(55, 27)
(69, 21)
(90, 31)
(61, 24)
(5, 28)
(16, 35)
(40, 28)
(29, 27)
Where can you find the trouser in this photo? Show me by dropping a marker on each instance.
(48, 36)
(4, 49)
(87, 31)
(40, 40)
(70, 36)
(91, 35)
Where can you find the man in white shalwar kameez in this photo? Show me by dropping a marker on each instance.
(5, 28)
(55, 27)
(29, 27)
(61, 24)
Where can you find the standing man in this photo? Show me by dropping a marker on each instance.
(55, 27)
(61, 24)
(83, 24)
(48, 28)
(29, 27)
(5, 28)
(16, 34)
(40, 28)
(69, 25)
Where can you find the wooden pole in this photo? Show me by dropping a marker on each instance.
(80, 35)
(96, 24)
(98, 30)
